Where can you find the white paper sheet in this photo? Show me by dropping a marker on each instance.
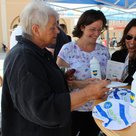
(114, 69)
(116, 84)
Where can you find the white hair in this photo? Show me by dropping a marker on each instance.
(36, 13)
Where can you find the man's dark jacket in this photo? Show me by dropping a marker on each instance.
(35, 97)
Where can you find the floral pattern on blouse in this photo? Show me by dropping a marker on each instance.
(80, 61)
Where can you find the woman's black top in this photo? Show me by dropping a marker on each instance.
(120, 56)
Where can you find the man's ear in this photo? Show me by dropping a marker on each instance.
(35, 30)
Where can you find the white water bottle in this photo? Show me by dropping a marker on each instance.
(133, 89)
(95, 68)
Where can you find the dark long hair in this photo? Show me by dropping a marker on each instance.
(88, 17)
(131, 24)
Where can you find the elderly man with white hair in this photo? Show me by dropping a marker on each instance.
(36, 100)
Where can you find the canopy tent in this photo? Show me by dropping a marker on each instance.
(126, 4)
(113, 9)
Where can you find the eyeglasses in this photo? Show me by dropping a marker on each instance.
(93, 30)
(129, 37)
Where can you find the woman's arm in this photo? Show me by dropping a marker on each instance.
(61, 63)
(75, 83)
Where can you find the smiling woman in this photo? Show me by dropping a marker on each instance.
(78, 55)
(127, 53)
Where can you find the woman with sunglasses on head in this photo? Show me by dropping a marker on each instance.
(77, 55)
(127, 53)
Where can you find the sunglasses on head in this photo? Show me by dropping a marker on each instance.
(129, 37)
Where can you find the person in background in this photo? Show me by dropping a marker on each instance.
(61, 40)
(113, 42)
(127, 53)
(64, 28)
(104, 42)
(77, 55)
(16, 32)
(35, 97)
(4, 48)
